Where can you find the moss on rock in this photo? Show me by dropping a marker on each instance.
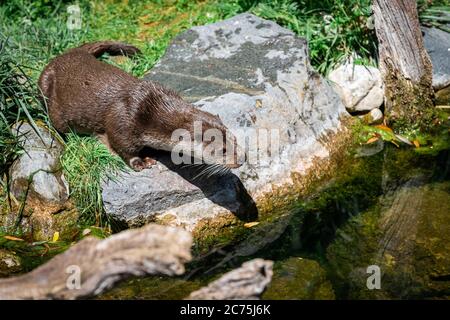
(298, 279)
(9, 263)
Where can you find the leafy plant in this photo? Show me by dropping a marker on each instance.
(335, 30)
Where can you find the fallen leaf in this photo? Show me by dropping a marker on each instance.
(55, 236)
(86, 232)
(38, 243)
(416, 143)
(13, 238)
(372, 140)
(384, 128)
(251, 224)
(403, 139)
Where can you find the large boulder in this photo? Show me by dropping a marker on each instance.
(255, 75)
(38, 182)
(437, 43)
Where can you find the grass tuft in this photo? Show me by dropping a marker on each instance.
(86, 162)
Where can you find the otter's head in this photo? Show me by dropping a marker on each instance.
(204, 138)
(191, 135)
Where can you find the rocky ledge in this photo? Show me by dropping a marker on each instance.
(256, 76)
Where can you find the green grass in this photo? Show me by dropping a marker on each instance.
(335, 30)
(86, 162)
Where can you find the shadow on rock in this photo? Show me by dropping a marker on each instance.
(225, 190)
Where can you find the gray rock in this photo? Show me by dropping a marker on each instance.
(254, 74)
(437, 43)
(47, 208)
(360, 87)
(374, 116)
(40, 161)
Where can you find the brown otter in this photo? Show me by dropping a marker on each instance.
(128, 114)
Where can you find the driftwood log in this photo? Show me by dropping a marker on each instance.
(92, 266)
(247, 282)
(404, 63)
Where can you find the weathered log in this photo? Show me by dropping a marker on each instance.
(92, 266)
(247, 282)
(404, 63)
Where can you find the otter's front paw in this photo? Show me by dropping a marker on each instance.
(139, 164)
(149, 162)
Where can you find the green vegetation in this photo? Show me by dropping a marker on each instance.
(335, 30)
(31, 254)
(86, 162)
(435, 13)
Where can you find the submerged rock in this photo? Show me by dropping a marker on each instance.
(360, 87)
(374, 116)
(37, 180)
(437, 43)
(299, 279)
(9, 263)
(255, 75)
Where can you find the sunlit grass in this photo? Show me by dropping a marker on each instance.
(86, 162)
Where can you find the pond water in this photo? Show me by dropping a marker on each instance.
(387, 206)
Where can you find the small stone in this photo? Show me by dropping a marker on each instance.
(375, 116)
(360, 87)
(9, 263)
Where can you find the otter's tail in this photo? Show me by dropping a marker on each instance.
(111, 47)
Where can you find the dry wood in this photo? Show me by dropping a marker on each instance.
(100, 264)
(247, 282)
(404, 63)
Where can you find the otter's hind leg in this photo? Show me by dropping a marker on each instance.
(103, 138)
(49, 99)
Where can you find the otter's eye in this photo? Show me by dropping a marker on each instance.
(224, 151)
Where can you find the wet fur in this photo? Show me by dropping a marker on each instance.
(89, 96)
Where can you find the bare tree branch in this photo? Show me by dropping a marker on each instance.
(247, 282)
(99, 264)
